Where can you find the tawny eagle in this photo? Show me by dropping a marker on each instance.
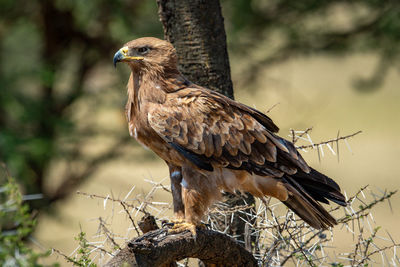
(212, 143)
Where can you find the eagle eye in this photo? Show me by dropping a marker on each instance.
(143, 50)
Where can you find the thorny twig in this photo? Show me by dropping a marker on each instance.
(275, 233)
(130, 217)
(271, 108)
(329, 141)
(280, 236)
(295, 137)
(108, 233)
(111, 199)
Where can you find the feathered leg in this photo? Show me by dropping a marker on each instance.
(175, 174)
(198, 193)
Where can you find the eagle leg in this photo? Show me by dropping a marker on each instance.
(175, 174)
(198, 192)
(183, 226)
(194, 206)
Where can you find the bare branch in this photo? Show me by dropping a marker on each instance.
(329, 141)
(113, 200)
(157, 248)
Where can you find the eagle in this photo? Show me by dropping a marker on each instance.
(212, 143)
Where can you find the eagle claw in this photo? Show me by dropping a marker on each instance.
(180, 227)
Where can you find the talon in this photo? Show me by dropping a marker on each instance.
(166, 223)
(172, 222)
(183, 226)
(177, 220)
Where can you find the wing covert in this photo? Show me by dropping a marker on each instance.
(210, 131)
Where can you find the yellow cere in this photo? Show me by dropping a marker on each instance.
(124, 51)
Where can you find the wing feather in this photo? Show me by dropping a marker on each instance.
(217, 145)
(208, 143)
(245, 147)
(212, 130)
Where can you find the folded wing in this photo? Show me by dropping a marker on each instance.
(212, 130)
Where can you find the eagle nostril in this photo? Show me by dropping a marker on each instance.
(124, 51)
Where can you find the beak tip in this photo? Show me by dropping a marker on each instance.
(115, 61)
(117, 58)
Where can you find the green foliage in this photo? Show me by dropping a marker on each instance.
(295, 28)
(306, 21)
(82, 256)
(47, 52)
(83, 251)
(16, 225)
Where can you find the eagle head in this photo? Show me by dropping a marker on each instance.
(147, 53)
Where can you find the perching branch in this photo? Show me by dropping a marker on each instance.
(158, 248)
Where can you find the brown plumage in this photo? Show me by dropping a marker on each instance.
(212, 143)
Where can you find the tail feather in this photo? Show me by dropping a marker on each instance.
(315, 176)
(324, 195)
(320, 186)
(304, 192)
(306, 207)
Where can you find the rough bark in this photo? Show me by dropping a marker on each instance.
(157, 248)
(196, 29)
(147, 223)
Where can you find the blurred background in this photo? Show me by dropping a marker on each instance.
(330, 65)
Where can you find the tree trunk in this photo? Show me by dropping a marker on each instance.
(196, 29)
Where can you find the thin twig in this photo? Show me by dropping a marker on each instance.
(329, 141)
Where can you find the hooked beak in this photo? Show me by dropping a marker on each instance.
(122, 55)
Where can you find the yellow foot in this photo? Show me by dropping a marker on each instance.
(177, 220)
(183, 226)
